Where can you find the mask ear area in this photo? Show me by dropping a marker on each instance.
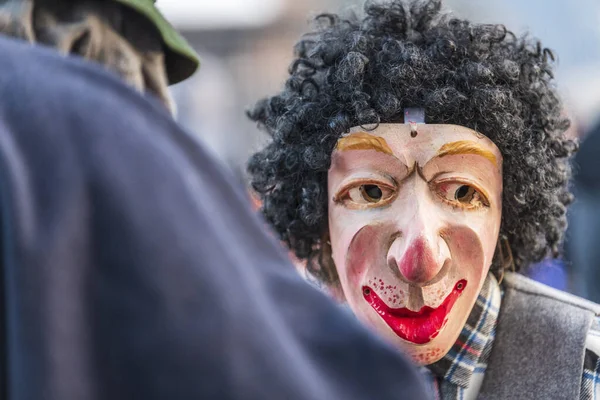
(16, 19)
(503, 258)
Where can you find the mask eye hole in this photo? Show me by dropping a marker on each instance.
(366, 194)
(466, 194)
(462, 194)
(371, 193)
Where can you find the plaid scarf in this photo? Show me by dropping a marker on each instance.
(459, 375)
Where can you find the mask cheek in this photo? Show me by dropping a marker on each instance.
(353, 256)
(343, 225)
(355, 253)
(340, 241)
(468, 252)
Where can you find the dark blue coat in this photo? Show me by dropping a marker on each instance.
(133, 269)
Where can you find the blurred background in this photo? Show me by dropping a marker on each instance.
(246, 48)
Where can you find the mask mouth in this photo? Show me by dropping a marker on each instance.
(419, 327)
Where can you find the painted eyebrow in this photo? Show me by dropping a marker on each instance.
(466, 147)
(363, 141)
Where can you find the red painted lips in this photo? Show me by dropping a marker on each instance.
(421, 326)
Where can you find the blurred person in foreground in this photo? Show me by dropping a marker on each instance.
(128, 37)
(417, 160)
(133, 269)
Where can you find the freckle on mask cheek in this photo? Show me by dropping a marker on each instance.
(435, 295)
(390, 294)
(427, 357)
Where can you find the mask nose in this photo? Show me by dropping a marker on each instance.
(418, 255)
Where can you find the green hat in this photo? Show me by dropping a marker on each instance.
(180, 59)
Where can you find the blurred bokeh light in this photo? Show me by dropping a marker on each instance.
(194, 14)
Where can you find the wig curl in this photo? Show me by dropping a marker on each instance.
(361, 71)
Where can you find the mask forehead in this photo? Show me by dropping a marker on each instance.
(426, 144)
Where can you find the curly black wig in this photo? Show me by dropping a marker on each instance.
(362, 71)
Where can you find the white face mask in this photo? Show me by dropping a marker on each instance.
(414, 222)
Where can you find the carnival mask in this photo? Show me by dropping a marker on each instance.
(414, 217)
